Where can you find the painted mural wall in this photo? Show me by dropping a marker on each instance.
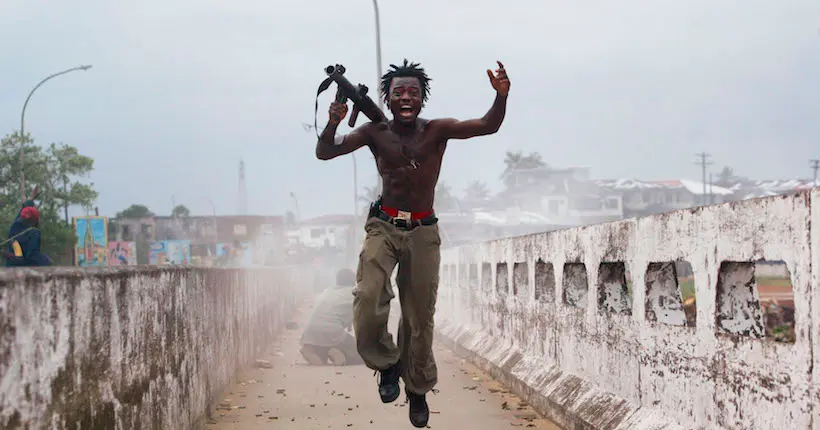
(92, 239)
(122, 253)
(170, 252)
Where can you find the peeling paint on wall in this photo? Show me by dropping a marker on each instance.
(585, 367)
(663, 301)
(130, 347)
(520, 278)
(544, 282)
(738, 306)
(576, 286)
(613, 296)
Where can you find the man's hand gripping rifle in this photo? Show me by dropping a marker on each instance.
(347, 91)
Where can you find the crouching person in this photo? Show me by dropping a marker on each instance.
(326, 338)
(24, 238)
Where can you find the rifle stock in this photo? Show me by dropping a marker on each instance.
(357, 94)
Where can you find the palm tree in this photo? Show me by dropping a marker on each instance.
(517, 161)
(477, 190)
(726, 177)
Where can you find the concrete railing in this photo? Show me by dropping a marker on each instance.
(554, 316)
(134, 347)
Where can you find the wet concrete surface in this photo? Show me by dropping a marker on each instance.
(292, 395)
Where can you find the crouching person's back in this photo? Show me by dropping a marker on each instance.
(326, 337)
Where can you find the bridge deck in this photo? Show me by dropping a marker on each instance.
(293, 395)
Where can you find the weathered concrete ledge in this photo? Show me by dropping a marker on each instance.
(589, 324)
(129, 348)
(567, 400)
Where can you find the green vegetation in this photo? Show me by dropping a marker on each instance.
(56, 170)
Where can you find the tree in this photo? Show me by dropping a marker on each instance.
(180, 211)
(135, 211)
(477, 190)
(63, 163)
(517, 161)
(55, 170)
(726, 177)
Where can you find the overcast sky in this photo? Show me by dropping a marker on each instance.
(182, 89)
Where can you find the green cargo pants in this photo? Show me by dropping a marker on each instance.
(418, 256)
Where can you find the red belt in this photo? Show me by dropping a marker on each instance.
(413, 215)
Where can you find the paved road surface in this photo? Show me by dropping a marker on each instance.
(293, 395)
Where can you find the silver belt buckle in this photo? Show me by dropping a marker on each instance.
(407, 216)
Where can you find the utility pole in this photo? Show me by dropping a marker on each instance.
(703, 163)
(242, 192)
(65, 202)
(815, 165)
(711, 192)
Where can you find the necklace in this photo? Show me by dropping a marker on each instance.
(404, 150)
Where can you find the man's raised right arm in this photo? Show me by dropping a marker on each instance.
(331, 145)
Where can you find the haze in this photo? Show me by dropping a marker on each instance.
(182, 89)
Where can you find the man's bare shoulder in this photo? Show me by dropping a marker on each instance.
(439, 128)
(440, 122)
(367, 127)
(367, 131)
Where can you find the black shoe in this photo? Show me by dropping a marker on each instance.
(419, 412)
(389, 383)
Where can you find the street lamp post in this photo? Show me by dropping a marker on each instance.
(355, 188)
(23, 122)
(355, 178)
(378, 62)
(296, 205)
(378, 50)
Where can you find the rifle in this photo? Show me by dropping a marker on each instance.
(347, 91)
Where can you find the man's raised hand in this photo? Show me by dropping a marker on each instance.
(337, 112)
(500, 81)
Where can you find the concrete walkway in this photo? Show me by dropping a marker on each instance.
(293, 395)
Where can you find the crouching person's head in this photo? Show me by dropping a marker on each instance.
(345, 278)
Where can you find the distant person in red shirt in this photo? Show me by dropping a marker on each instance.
(24, 237)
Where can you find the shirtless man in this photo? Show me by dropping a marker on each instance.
(401, 227)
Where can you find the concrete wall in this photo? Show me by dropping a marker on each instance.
(550, 314)
(133, 347)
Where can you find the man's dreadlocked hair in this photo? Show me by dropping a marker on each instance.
(407, 70)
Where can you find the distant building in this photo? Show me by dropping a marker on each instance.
(642, 198)
(204, 232)
(748, 189)
(327, 231)
(565, 196)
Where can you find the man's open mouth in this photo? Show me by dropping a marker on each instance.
(406, 110)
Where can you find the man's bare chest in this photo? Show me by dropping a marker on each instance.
(393, 148)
